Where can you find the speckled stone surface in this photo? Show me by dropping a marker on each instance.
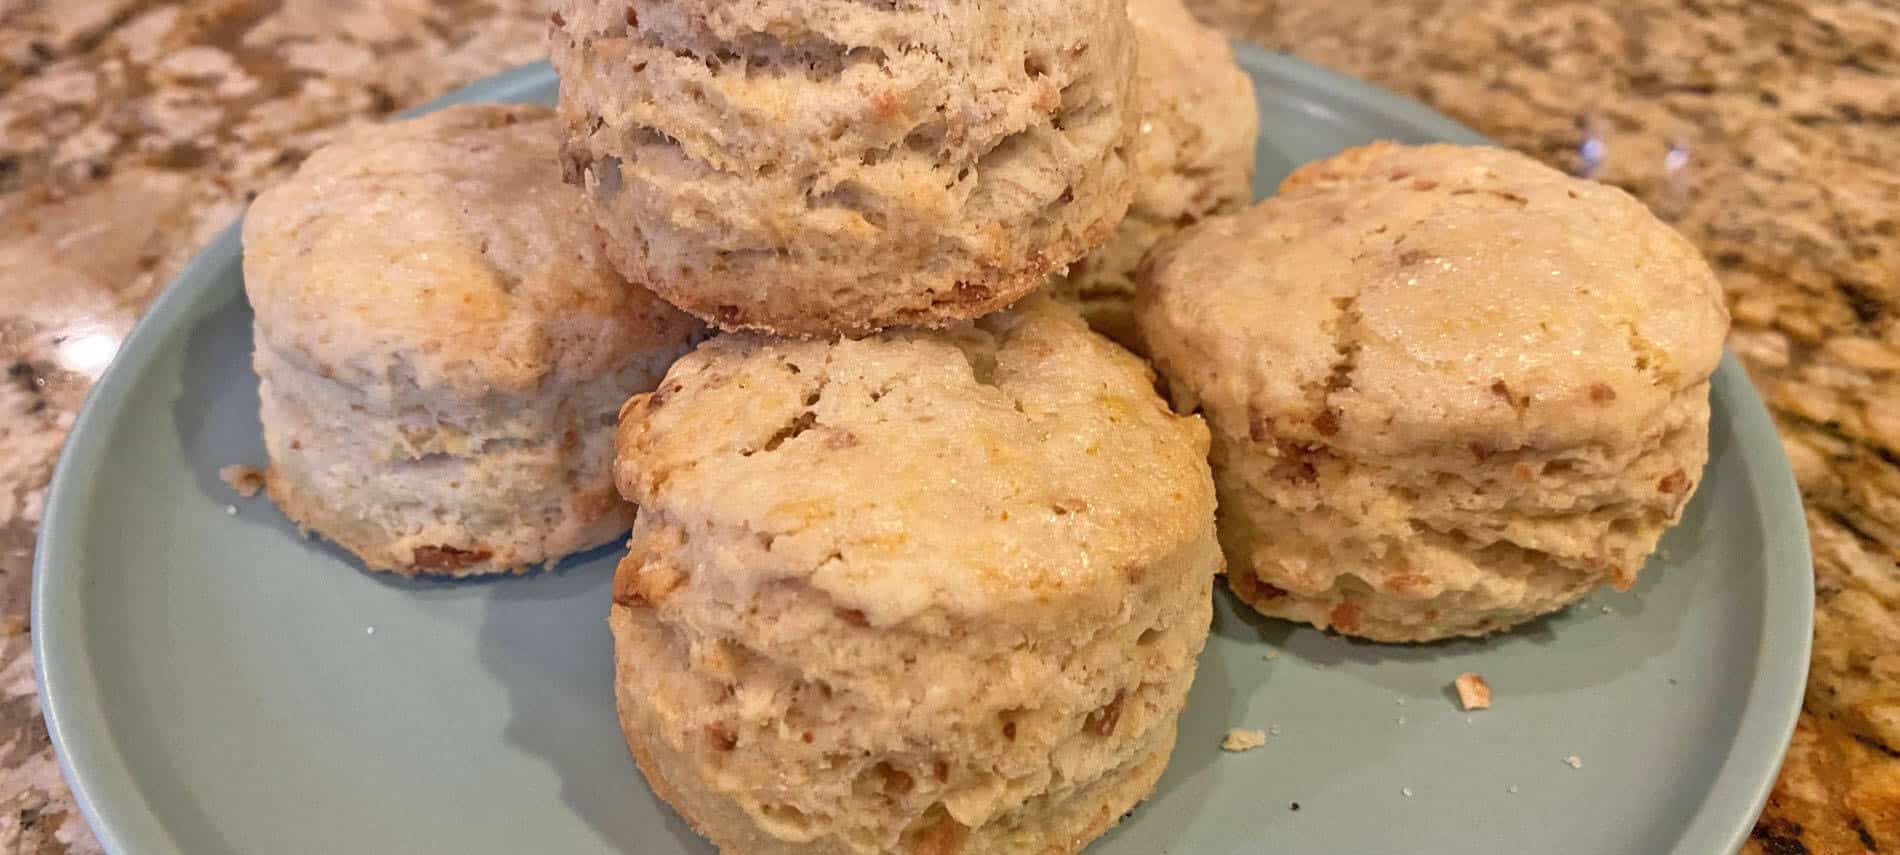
(1768, 131)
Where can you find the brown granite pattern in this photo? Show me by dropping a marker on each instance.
(1768, 131)
(130, 133)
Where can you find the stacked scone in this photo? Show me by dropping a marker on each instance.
(922, 563)
(1193, 157)
(937, 586)
(825, 167)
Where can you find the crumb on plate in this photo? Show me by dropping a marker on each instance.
(246, 480)
(1473, 692)
(1241, 739)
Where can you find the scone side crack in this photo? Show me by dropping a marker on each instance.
(1339, 378)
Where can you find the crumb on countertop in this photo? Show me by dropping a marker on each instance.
(246, 480)
(1473, 692)
(1574, 762)
(1240, 739)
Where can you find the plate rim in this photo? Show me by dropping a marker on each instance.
(58, 632)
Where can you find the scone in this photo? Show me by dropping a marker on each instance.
(1193, 156)
(1451, 389)
(925, 592)
(442, 347)
(840, 166)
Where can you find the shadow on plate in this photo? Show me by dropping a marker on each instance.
(217, 421)
(1185, 787)
(544, 637)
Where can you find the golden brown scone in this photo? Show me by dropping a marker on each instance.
(1193, 156)
(441, 346)
(810, 168)
(925, 589)
(1451, 389)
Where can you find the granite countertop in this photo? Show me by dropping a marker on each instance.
(1766, 130)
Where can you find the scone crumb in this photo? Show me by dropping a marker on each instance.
(1573, 761)
(1473, 692)
(246, 480)
(1271, 655)
(1240, 739)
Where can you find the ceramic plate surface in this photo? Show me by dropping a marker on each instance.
(216, 684)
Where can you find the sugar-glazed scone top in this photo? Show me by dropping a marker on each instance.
(1464, 296)
(1019, 470)
(444, 251)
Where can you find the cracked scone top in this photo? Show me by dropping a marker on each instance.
(837, 166)
(1193, 155)
(442, 346)
(1451, 388)
(926, 588)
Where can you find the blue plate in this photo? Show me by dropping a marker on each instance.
(216, 684)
